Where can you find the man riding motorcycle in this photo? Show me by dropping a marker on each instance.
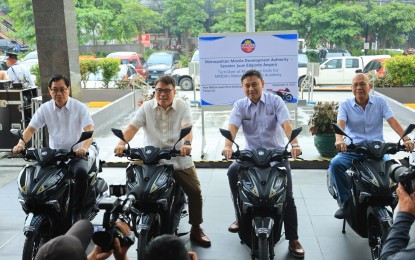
(66, 118)
(361, 118)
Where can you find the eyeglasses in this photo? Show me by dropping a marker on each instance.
(164, 90)
(253, 85)
(56, 90)
(361, 84)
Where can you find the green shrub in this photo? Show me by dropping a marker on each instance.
(184, 60)
(110, 68)
(400, 70)
(88, 67)
(36, 71)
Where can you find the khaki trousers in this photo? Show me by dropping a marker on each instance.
(189, 182)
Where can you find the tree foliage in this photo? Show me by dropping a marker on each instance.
(230, 16)
(320, 22)
(184, 18)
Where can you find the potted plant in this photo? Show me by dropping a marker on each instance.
(320, 123)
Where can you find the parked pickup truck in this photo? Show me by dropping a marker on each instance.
(338, 70)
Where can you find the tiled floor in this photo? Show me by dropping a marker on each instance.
(319, 232)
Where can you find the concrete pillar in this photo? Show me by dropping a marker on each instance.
(57, 43)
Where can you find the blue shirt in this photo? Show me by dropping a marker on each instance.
(365, 125)
(261, 122)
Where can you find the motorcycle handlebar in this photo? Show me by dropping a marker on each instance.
(128, 202)
(286, 154)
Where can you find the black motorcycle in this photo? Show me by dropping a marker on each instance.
(46, 194)
(154, 200)
(373, 192)
(261, 197)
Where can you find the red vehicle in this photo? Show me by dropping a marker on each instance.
(128, 57)
(376, 64)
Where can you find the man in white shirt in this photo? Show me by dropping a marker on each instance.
(162, 119)
(17, 72)
(66, 119)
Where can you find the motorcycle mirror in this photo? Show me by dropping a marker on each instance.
(408, 130)
(338, 130)
(118, 133)
(18, 133)
(227, 134)
(293, 135)
(183, 132)
(84, 136)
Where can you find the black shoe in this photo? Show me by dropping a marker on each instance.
(343, 211)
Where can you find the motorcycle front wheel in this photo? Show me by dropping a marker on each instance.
(377, 235)
(35, 240)
(263, 250)
(145, 236)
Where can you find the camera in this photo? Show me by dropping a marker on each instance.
(407, 179)
(405, 176)
(113, 207)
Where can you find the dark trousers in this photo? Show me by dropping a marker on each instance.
(290, 217)
(79, 167)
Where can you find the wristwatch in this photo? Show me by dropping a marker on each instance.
(187, 143)
(406, 138)
(294, 145)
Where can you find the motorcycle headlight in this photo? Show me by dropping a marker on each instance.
(160, 182)
(250, 187)
(277, 187)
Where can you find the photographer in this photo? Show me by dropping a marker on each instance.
(396, 245)
(119, 252)
(73, 244)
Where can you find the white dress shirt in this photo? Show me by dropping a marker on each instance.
(65, 125)
(162, 127)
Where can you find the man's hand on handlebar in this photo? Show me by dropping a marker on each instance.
(119, 150)
(19, 148)
(341, 145)
(81, 152)
(409, 145)
(185, 150)
(227, 152)
(296, 151)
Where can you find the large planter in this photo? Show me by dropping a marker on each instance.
(400, 94)
(325, 144)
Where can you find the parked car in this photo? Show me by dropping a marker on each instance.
(302, 63)
(375, 65)
(29, 64)
(127, 71)
(129, 57)
(7, 45)
(160, 63)
(332, 71)
(329, 53)
(194, 71)
(30, 55)
(183, 78)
